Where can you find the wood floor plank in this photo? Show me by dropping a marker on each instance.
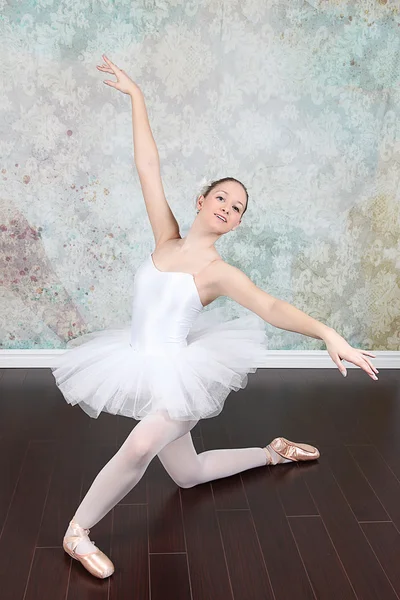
(389, 449)
(43, 417)
(12, 456)
(381, 478)
(64, 494)
(347, 407)
(129, 553)
(385, 540)
(248, 574)
(69, 425)
(379, 410)
(292, 491)
(104, 428)
(206, 557)
(354, 485)
(282, 559)
(362, 567)
(324, 568)
(48, 579)
(169, 577)
(21, 527)
(13, 403)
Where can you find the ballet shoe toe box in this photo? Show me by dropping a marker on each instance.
(294, 451)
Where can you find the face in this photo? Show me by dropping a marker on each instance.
(227, 199)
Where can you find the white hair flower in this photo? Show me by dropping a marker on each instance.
(205, 182)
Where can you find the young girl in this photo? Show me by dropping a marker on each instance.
(177, 364)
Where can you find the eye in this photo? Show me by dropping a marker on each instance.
(235, 207)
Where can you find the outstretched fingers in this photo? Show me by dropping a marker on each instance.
(368, 353)
(111, 64)
(105, 68)
(359, 361)
(364, 364)
(110, 68)
(370, 364)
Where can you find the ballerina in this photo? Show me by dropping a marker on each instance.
(176, 364)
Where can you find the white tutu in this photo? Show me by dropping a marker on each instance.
(102, 371)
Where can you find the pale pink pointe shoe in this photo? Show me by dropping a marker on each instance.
(97, 563)
(293, 451)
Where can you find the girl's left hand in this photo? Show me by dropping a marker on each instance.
(339, 349)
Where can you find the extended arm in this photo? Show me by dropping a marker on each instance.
(144, 146)
(279, 313)
(286, 316)
(232, 282)
(162, 219)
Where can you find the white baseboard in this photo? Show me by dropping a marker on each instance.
(278, 359)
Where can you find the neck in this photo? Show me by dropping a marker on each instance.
(197, 239)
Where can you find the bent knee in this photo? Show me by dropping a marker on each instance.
(138, 452)
(186, 484)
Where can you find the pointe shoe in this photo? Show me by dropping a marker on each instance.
(293, 451)
(97, 563)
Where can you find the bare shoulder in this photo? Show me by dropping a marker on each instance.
(227, 280)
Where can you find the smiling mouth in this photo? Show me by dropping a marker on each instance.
(220, 218)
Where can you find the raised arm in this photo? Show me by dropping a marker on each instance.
(144, 147)
(162, 219)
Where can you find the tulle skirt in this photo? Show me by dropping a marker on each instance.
(102, 372)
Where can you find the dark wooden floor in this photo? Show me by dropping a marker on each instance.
(327, 529)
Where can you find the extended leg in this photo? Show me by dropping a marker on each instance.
(126, 468)
(187, 468)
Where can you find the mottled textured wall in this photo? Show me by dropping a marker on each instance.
(299, 100)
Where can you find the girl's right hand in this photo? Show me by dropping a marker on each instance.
(124, 83)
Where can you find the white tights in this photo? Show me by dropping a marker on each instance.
(171, 440)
